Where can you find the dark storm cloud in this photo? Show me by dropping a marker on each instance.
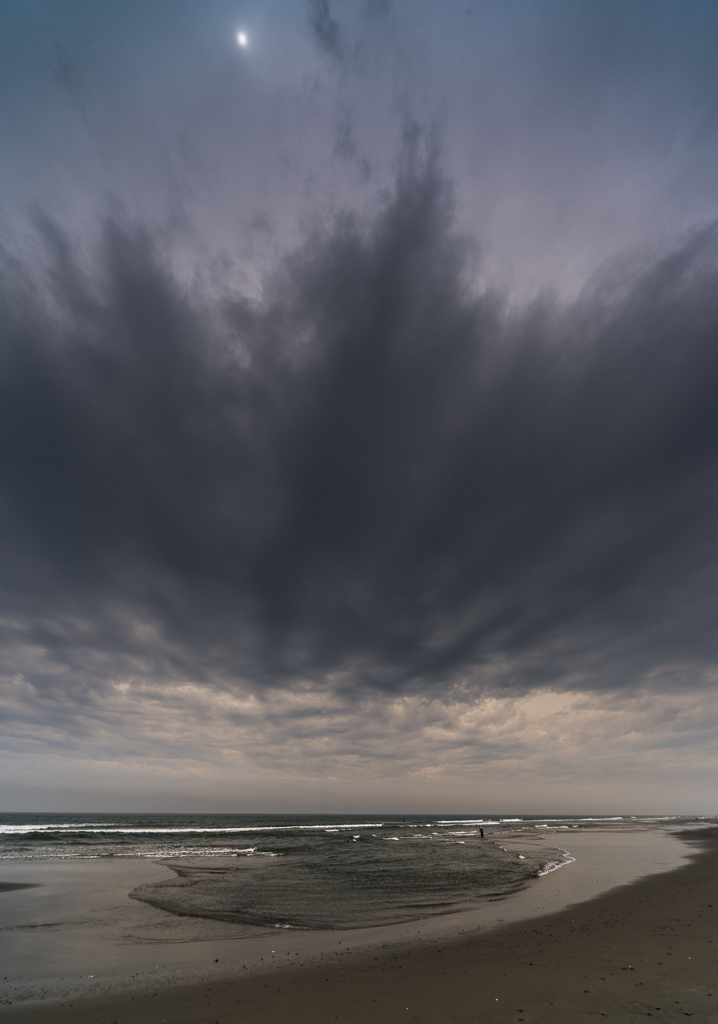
(326, 29)
(371, 477)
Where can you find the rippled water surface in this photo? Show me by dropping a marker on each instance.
(330, 871)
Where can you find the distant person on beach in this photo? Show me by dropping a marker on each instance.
(481, 832)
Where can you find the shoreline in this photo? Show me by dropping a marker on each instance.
(369, 960)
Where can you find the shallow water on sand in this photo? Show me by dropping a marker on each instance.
(310, 872)
(283, 871)
(77, 932)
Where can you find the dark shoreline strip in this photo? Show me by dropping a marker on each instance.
(11, 886)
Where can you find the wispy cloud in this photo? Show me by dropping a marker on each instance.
(338, 521)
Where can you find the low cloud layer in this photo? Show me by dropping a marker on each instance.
(372, 488)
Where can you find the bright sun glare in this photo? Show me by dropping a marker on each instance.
(242, 38)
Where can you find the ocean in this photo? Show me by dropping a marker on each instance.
(309, 871)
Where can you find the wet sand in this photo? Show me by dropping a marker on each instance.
(625, 954)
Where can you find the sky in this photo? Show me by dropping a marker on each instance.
(358, 420)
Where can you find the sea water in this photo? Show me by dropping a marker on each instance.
(307, 871)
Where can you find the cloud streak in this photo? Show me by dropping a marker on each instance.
(359, 506)
(371, 462)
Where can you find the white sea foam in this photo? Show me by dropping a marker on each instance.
(554, 865)
(214, 830)
(21, 829)
(619, 818)
(159, 852)
(469, 821)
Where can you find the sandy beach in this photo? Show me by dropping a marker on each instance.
(569, 947)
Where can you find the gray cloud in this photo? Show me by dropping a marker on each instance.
(370, 480)
(295, 494)
(326, 29)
